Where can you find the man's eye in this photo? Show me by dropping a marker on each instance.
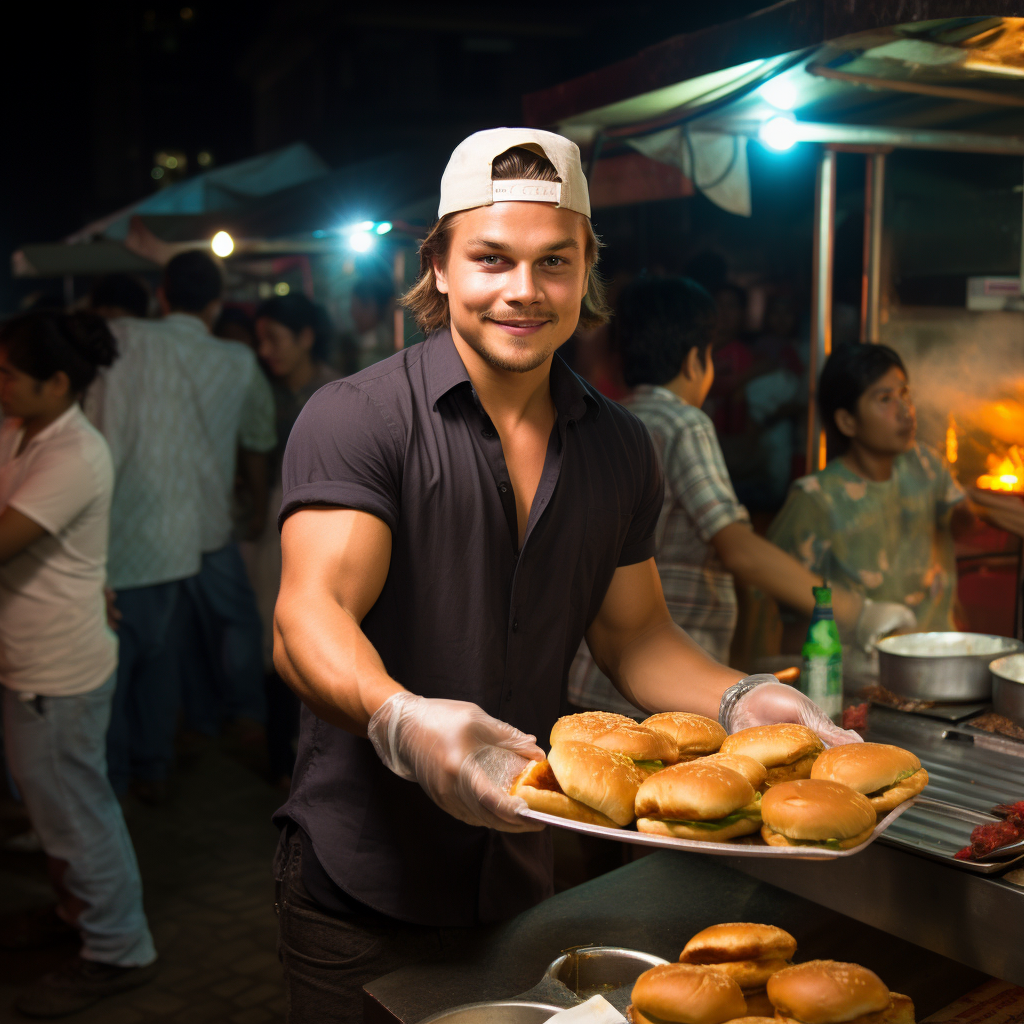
(487, 260)
(554, 261)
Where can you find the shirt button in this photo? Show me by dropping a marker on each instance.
(508, 696)
(515, 625)
(503, 487)
(487, 432)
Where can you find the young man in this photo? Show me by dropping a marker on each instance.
(175, 408)
(880, 518)
(455, 518)
(666, 330)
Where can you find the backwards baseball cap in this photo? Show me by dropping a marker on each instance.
(466, 182)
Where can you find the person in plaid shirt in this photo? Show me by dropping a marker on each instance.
(704, 539)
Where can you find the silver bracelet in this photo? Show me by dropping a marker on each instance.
(731, 696)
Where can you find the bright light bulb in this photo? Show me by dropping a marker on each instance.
(282, 288)
(779, 133)
(383, 227)
(223, 244)
(361, 241)
(364, 225)
(780, 93)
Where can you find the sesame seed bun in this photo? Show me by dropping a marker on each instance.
(601, 779)
(753, 771)
(887, 775)
(693, 735)
(827, 992)
(615, 732)
(722, 943)
(538, 786)
(787, 750)
(685, 994)
(817, 812)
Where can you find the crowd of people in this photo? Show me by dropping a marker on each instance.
(144, 477)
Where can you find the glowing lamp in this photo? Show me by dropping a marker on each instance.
(360, 241)
(780, 93)
(779, 133)
(384, 227)
(223, 244)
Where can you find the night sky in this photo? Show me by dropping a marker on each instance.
(94, 92)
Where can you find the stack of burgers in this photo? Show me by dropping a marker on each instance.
(741, 974)
(681, 776)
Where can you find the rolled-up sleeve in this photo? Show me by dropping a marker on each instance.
(342, 452)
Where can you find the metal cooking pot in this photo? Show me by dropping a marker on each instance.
(594, 970)
(503, 1011)
(941, 666)
(1008, 687)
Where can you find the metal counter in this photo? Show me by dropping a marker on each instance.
(977, 920)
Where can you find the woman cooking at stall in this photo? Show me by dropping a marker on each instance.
(881, 517)
(455, 519)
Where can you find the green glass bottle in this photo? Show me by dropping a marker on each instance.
(822, 675)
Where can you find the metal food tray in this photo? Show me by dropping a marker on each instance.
(940, 829)
(731, 849)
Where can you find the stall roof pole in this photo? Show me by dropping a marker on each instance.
(821, 304)
(874, 215)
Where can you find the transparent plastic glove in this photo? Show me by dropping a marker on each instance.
(464, 759)
(878, 619)
(771, 701)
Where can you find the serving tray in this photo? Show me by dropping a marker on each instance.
(731, 849)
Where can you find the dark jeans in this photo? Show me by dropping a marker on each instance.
(327, 959)
(144, 716)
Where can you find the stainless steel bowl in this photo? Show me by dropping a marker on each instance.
(503, 1011)
(1008, 687)
(595, 970)
(941, 666)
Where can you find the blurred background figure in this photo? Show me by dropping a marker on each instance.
(59, 658)
(234, 324)
(373, 336)
(117, 295)
(293, 334)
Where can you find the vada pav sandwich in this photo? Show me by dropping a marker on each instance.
(701, 801)
(813, 812)
(650, 750)
(583, 783)
(885, 774)
(685, 994)
(753, 771)
(827, 992)
(787, 750)
(693, 735)
(748, 953)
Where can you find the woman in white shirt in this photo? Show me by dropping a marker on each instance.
(58, 656)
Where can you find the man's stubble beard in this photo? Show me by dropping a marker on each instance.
(531, 359)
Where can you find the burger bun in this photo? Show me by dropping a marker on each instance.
(685, 994)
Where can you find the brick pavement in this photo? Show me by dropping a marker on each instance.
(205, 859)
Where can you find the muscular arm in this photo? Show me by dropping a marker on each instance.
(334, 564)
(758, 562)
(647, 656)
(17, 531)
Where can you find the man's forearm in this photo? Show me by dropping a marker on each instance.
(664, 670)
(324, 656)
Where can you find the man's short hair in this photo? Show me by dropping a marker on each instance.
(846, 375)
(192, 280)
(658, 321)
(120, 291)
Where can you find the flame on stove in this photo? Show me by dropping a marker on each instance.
(952, 448)
(1004, 474)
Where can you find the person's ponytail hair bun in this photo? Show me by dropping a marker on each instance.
(43, 343)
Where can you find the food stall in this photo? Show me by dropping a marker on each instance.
(933, 924)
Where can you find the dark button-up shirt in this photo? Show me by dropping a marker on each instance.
(463, 613)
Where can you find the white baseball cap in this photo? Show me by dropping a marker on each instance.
(466, 182)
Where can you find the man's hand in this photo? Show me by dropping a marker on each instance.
(1004, 511)
(114, 615)
(462, 757)
(770, 701)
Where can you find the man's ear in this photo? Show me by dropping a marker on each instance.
(693, 368)
(440, 278)
(846, 423)
(59, 384)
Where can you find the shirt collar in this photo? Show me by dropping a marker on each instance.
(445, 370)
(189, 320)
(657, 391)
(64, 420)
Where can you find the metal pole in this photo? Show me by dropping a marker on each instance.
(874, 218)
(399, 318)
(821, 302)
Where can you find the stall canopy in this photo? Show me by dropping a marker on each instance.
(284, 202)
(949, 77)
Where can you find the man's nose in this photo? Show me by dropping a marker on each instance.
(520, 285)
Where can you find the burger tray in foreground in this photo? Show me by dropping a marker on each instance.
(731, 849)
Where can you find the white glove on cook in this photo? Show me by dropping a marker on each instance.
(464, 759)
(763, 700)
(878, 619)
